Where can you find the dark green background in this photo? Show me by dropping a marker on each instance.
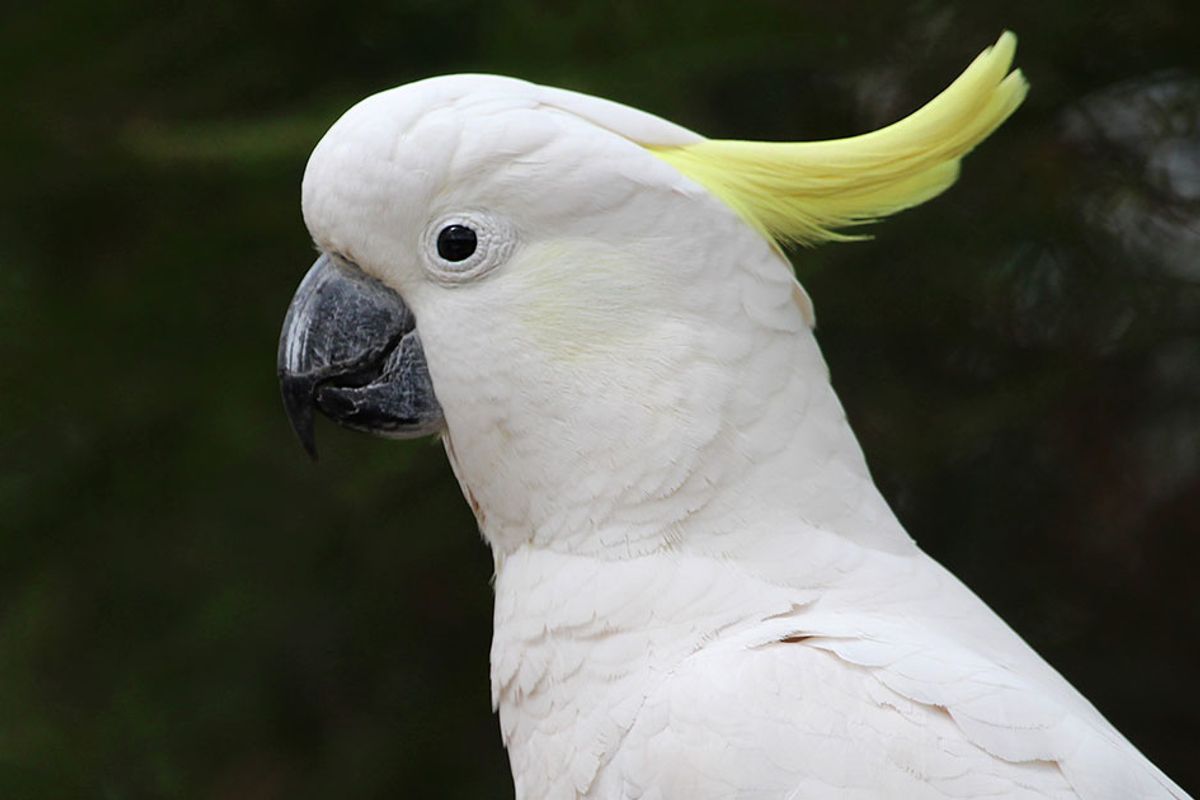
(191, 609)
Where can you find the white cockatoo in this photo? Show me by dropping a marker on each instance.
(700, 592)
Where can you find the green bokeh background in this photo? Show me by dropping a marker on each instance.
(191, 609)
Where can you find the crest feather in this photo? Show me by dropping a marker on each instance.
(802, 192)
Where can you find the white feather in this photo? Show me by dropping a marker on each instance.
(700, 593)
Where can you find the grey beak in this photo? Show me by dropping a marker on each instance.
(350, 348)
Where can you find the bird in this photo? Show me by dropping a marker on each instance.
(700, 592)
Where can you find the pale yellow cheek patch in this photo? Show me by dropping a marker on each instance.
(579, 298)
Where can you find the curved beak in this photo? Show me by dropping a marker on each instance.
(350, 348)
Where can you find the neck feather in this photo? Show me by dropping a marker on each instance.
(732, 434)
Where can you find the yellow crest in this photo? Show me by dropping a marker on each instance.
(801, 192)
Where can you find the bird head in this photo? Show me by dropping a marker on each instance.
(587, 303)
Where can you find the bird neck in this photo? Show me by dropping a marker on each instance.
(729, 441)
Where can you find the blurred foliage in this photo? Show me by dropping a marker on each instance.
(190, 609)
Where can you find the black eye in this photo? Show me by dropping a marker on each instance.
(456, 242)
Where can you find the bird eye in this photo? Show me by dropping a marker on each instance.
(463, 246)
(456, 242)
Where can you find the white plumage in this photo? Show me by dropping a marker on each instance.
(700, 593)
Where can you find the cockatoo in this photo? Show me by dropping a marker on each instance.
(699, 590)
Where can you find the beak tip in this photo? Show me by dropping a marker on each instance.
(310, 447)
(305, 430)
(297, 402)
